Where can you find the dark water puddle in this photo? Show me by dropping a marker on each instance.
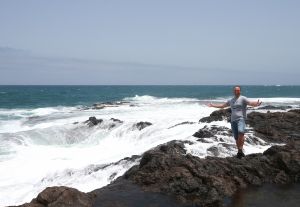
(269, 195)
(127, 194)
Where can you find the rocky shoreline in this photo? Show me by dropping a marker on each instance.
(168, 176)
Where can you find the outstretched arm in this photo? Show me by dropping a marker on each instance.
(254, 103)
(221, 106)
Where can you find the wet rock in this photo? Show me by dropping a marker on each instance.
(222, 150)
(218, 115)
(253, 140)
(93, 121)
(297, 111)
(182, 123)
(116, 120)
(61, 197)
(112, 176)
(277, 126)
(205, 182)
(271, 107)
(132, 158)
(208, 132)
(141, 125)
(213, 151)
(204, 133)
(108, 104)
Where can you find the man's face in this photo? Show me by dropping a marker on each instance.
(237, 91)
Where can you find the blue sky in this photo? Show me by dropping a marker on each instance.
(150, 42)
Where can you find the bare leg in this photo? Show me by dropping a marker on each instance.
(240, 142)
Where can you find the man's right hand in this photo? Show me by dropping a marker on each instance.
(220, 106)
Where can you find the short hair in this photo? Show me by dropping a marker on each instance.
(237, 86)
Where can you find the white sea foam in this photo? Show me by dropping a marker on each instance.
(43, 147)
(151, 99)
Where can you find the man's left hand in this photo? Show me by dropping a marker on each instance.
(258, 103)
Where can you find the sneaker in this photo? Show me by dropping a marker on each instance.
(240, 155)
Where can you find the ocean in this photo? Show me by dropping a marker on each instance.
(44, 140)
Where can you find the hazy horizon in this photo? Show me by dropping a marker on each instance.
(149, 43)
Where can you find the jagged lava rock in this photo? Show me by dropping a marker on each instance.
(142, 124)
(61, 197)
(207, 132)
(93, 121)
(205, 182)
(276, 126)
(218, 115)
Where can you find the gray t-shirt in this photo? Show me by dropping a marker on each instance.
(238, 107)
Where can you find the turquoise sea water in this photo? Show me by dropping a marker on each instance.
(49, 96)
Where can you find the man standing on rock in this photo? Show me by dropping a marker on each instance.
(238, 105)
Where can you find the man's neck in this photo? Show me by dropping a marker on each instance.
(237, 96)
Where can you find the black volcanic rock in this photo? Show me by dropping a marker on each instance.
(271, 107)
(142, 124)
(93, 121)
(204, 133)
(277, 126)
(218, 115)
(116, 120)
(207, 132)
(114, 123)
(109, 104)
(205, 182)
(216, 150)
(61, 197)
